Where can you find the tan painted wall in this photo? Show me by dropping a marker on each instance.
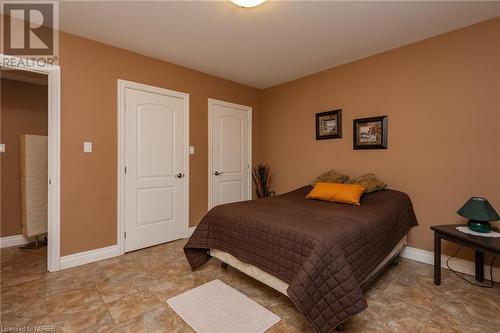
(23, 111)
(89, 112)
(442, 96)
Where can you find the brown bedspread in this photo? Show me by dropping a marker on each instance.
(322, 250)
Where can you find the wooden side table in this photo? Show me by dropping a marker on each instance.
(480, 245)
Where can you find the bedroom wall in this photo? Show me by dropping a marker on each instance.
(23, 111)
(90, 71)
(442, 96)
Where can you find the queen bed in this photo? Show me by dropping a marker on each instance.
(319, 254)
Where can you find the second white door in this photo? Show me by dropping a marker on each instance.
(229, 152)
(155, 174)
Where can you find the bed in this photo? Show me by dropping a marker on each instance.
(317, 253)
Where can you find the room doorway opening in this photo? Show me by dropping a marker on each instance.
(30, 159)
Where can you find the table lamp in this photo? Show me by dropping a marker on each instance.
(479, 212)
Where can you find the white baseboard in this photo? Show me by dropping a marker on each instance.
(459, 265)
(190, 231)
(86, 257)
(13, 241)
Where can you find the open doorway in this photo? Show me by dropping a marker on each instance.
(24, 163)
(30, 160)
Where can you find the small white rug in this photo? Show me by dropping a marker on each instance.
(215, 307)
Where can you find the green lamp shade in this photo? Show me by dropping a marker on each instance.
(478, 209)
(480, 212)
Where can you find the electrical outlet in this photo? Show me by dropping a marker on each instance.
(2, 147)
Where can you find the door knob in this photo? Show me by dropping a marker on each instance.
(179, 175)
(217, 173)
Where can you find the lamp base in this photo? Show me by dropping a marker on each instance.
(479, 226)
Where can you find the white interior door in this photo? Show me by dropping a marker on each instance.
(155, 170)
(230, 152)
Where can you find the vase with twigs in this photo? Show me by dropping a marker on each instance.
(262, 179)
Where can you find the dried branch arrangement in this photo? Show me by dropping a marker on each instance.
(262, 179)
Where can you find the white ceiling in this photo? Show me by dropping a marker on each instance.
(270, 44)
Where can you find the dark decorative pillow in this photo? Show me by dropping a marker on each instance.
(370, 181)
(331, 176)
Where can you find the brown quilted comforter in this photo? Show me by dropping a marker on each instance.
(322, 250)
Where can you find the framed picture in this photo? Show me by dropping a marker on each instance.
(370, 133)
(329, 125)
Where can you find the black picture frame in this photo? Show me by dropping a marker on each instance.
(378, 137)
(324, 116)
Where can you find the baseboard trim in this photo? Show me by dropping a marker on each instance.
(16, 240)
(87, 257)
(190, 231)
(458, 264)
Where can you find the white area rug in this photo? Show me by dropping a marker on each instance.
(215, 307)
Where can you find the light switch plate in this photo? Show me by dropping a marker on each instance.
(87, 147)
(191, 150)
(2, 147)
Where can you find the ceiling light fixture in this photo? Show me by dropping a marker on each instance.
(248, 3)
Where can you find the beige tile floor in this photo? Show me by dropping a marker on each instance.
(128, 294)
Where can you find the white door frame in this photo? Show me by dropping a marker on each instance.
(211, 102)
(53, 73)
(122, 85)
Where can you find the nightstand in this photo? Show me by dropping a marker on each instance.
(480, 245)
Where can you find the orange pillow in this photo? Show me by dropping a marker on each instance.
(345, 193)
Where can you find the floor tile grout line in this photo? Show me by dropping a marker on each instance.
(426, 322)
(92, 287)
(106, 305)
(133, 318)
(136, 263)
(45, 297)
(395, 278)
(401, 298)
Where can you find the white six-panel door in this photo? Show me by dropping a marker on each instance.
(155, 170)
(229, 152)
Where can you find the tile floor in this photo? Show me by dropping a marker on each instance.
(128, 294)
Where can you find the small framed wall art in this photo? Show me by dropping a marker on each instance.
(370, 133)
(329, 125)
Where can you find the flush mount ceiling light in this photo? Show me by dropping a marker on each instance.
(248, 3)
